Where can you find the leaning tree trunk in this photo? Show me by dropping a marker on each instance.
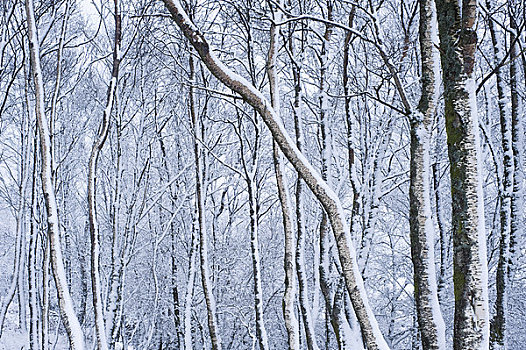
(70, 320)
(458, 42)
(430, 321)
(100, 329)
(327, 197)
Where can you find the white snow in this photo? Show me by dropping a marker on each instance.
(481, 311)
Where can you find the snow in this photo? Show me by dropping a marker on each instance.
(189, 296)
(145, 195)
(66, 304)
(438, 320)
(120, 346)
(481, 312)
(436, 53)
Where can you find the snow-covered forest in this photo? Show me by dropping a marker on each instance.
(262, 174)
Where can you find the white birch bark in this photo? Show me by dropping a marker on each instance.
(45, 298)
(458, 43)
(517, 132)
(113, 298)
(332, 292)
(200, 202)
(71, 323)
(498, 323)
(187, 316)
(98, 144)
(304, 302)
(291, 323)
(330, 201)
(430, 321)
(34, 316)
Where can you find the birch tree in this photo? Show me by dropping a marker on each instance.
(289, 314)
(431, 323)
(203, 241)
(458, 43)
(69, 318)
(332, 205)
(98, 144)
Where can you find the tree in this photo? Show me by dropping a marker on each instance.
(431, 323)
(326, 196)
(98, 144)
(458, 43)
(69, 318)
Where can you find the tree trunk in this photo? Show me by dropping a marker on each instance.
(203, 241)
(45, 298)
(444, 241)
(289, 314)
(498, 323)
(34, 340)
(332, 292)
(458, 40)
(116, 270)
(71, 323)
(430, 321)
(305, 306)
(327, 197)
(190, 293)
(100, 328)
(349, 125)
(517, 140)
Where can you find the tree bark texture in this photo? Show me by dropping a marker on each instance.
(458, 42)
(327, 197)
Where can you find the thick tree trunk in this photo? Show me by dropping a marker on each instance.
(430, 321)
(327, 197)
(458, 41)
(71, 323)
